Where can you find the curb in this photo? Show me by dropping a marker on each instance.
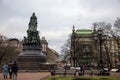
(44, 77)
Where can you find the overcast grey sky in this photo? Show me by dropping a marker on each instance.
(55, 17)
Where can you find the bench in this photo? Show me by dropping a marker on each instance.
(76, 72)
(98, 73)
(63, 72)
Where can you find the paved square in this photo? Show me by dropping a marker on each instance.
(29, 75)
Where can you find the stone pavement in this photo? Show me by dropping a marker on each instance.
(38, 75)
(29, 75)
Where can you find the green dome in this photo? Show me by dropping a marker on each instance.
(83, 31)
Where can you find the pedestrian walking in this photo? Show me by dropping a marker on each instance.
(10, 71)
(83, 69)
(14, 71)
(5, 71)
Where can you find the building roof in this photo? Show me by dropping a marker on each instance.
(14, 39)
(83, 31)
(2, 37)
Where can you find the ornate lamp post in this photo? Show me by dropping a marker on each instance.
(86, 51)
(73, 46)
(100, 38)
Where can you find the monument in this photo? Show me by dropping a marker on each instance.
(31, 57)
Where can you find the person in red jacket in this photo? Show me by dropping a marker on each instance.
(83, 69)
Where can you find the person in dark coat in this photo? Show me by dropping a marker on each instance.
(10, 71)
(14, 70)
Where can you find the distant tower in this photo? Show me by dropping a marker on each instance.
(94, 27)
(44, 44)
(73, 29)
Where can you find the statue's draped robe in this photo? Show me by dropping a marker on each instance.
(32, 33)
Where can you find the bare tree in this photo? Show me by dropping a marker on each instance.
(106, 27)
(116, 36)
(65, 49)
(7, 53)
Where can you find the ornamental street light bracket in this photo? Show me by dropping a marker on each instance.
(86, 51)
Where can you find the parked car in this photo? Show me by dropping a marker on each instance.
(106, 69)
(114, 70)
